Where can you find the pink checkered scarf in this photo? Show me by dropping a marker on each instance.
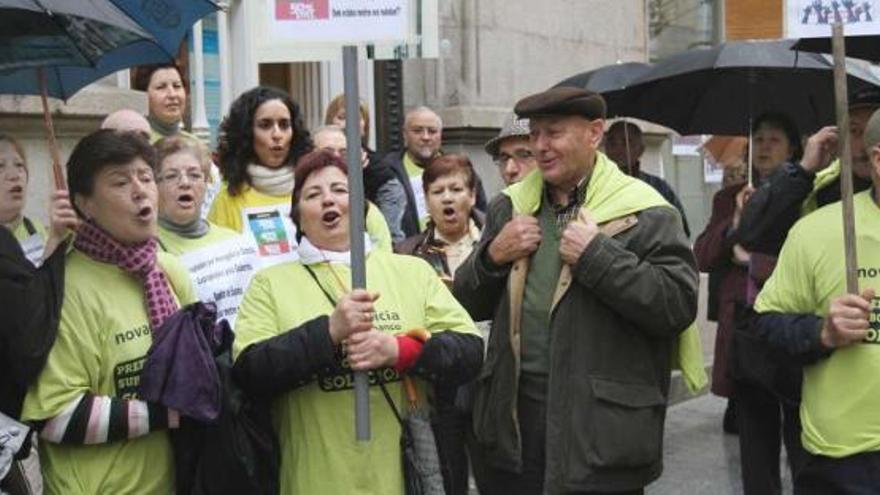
(138, 260)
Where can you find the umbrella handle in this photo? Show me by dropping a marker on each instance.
(57, 173)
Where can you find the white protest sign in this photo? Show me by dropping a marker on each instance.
(813, 18)
(221, 273)
(348, 21)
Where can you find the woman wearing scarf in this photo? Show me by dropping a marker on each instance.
(260, 141)
(166, 100)
(453, 230)
(301, 331)
(218, 259)
(96, 435)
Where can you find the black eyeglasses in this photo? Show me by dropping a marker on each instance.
(520, 156)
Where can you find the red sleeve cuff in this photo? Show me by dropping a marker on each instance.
(408, 351)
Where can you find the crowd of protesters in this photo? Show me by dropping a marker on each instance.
(580, 274)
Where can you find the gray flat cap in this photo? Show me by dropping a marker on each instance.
(512, 127)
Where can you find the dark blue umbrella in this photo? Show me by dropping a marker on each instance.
(56, 47)
(79, 42)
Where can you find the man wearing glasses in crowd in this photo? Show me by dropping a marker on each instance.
(511, 151)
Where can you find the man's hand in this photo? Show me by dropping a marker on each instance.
(847, 321)
(576, 237)
(740, 256)
(371, 350)
(519, 238)
(353, 314)
(820, 149)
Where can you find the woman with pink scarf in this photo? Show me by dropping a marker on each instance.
(96, 435)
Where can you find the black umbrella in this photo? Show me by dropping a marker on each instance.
(719, 90)
(610, 80)
(866, 47)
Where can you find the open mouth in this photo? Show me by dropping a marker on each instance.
(17, 190)
(331, 219)
(145, 213)
(449, 213)
(186, 200)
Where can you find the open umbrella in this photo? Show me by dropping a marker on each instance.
(610, 80)
(866, 47)
(56, 47)
(719, 90)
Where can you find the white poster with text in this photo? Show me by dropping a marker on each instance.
(348, 21)
(813, 18)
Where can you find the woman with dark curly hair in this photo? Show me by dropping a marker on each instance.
(260, 141)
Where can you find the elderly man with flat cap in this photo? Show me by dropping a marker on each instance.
(805, 311)
(588, 278)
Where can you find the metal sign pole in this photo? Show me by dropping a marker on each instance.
(846, 172)
(356, 223)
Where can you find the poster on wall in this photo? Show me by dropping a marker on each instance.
(813, 18)
(351, 21)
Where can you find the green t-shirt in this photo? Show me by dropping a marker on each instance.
(315, 423)
(841, 394)
(177, 244)
(101, 346)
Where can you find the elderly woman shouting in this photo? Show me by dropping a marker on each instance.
(301, 331)
(97, 436)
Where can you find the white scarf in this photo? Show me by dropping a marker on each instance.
(309, 254)
(271, 181)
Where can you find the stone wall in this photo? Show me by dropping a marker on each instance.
(494, 52)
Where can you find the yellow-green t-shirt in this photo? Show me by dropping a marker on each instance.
(315, 423)
(32, 243)
(102, 342)
(841, 394)
(177, 244)
(266, 219)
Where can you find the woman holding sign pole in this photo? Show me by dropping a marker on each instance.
(301, 331)
(219, 260)
(260, 141)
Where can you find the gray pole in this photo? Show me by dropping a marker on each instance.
(356, 223)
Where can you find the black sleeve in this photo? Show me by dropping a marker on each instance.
(797, 336)
(287, 361)
(450, 359)
(773, 209)
(32, 300)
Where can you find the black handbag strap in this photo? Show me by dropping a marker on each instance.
(320, 286)
(388, 399)
(378, 376)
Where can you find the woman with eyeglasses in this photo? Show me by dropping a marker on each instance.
(219, 260)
